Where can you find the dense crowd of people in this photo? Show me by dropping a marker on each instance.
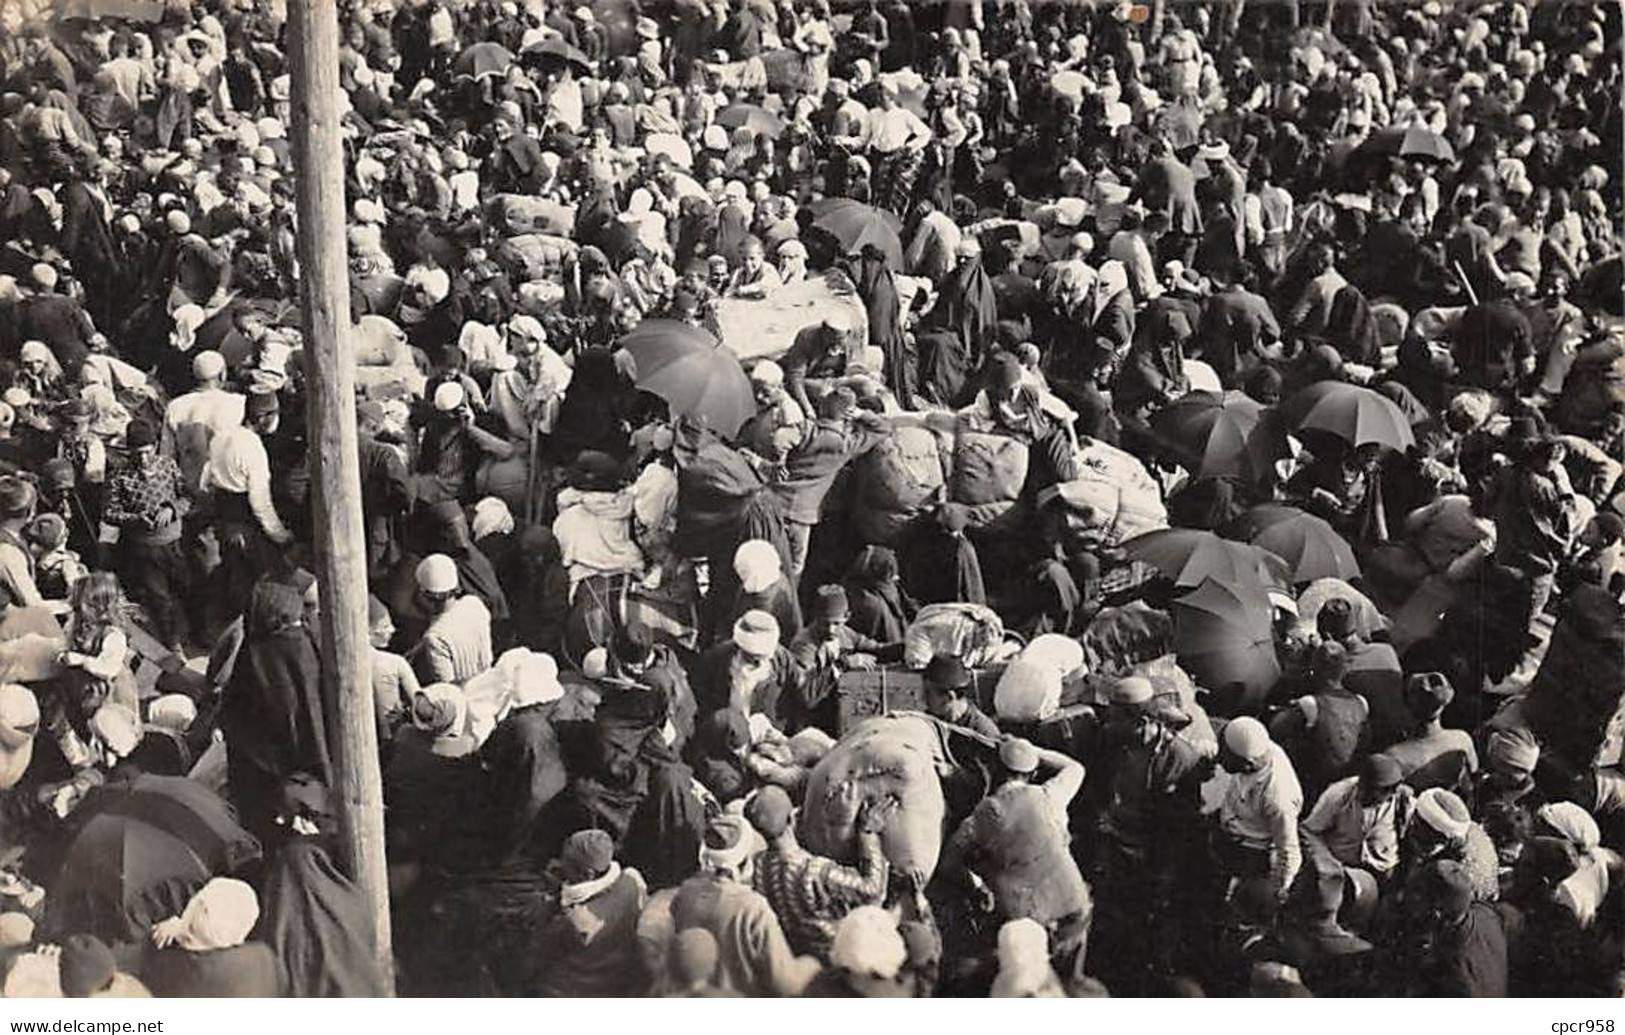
(1176, 548)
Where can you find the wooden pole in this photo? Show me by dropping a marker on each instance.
(313, 54)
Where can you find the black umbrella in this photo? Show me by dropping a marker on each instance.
(140, 849)
(554, 48)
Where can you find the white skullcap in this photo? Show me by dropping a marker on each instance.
(437, 574)
(174, 712)
(208, 365)
(1247, 738)
(767, 372)
(449, 396)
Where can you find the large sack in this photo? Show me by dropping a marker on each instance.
(971, 632)
(893, 482)
(1119, 638)
(535, 256)
(524, 214)
(31, 657)
(896, 755)
(379, 342)
(756, 328)
(508, 480)
(717, 492)
(988, 467)
(1029, 689)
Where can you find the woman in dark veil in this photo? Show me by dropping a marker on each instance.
(316, 920)
(272, 711)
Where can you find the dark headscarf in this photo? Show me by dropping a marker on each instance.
(447, 532)
(315, 919)
(879, 293)
(881, 609)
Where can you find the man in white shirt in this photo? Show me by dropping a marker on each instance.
(246, 523)
(193, 421)
(1259, 801)
(754, 278)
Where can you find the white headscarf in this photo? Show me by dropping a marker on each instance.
(219, 916)
(491, 517)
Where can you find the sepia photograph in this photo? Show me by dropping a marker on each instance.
(827, 499)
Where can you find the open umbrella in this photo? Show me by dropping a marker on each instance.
(1223, 634)
(555, 48)
(1189, 555)
(483, 59)
(684, 365)
(752, 117)
(853, 224)
(1414, 142)
(1308, 544)
(1359, 416)
(139, 850)
(1222, 435)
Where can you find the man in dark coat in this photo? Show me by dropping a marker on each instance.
(386, 491)
(1168, 186)
(87, 239)
(57, 320)
(1463, 943)
(1236, 325)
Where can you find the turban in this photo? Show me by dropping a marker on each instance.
(868, 943)
(1444, 812)
(757, 564)
(757, 632)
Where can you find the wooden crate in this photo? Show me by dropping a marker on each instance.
(863, 695)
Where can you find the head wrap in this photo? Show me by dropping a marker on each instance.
(757, 564)
(440, 709)
(219, 916)
(1443, 811)
(727, 844)
(868, 943)
(491, 517)
(1571, 822)
(756, 632)
(117, 727)
(1512, 752)
(535, 677)
(1024, 963)
(767, 372)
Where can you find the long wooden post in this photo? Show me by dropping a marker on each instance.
(313, 53)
